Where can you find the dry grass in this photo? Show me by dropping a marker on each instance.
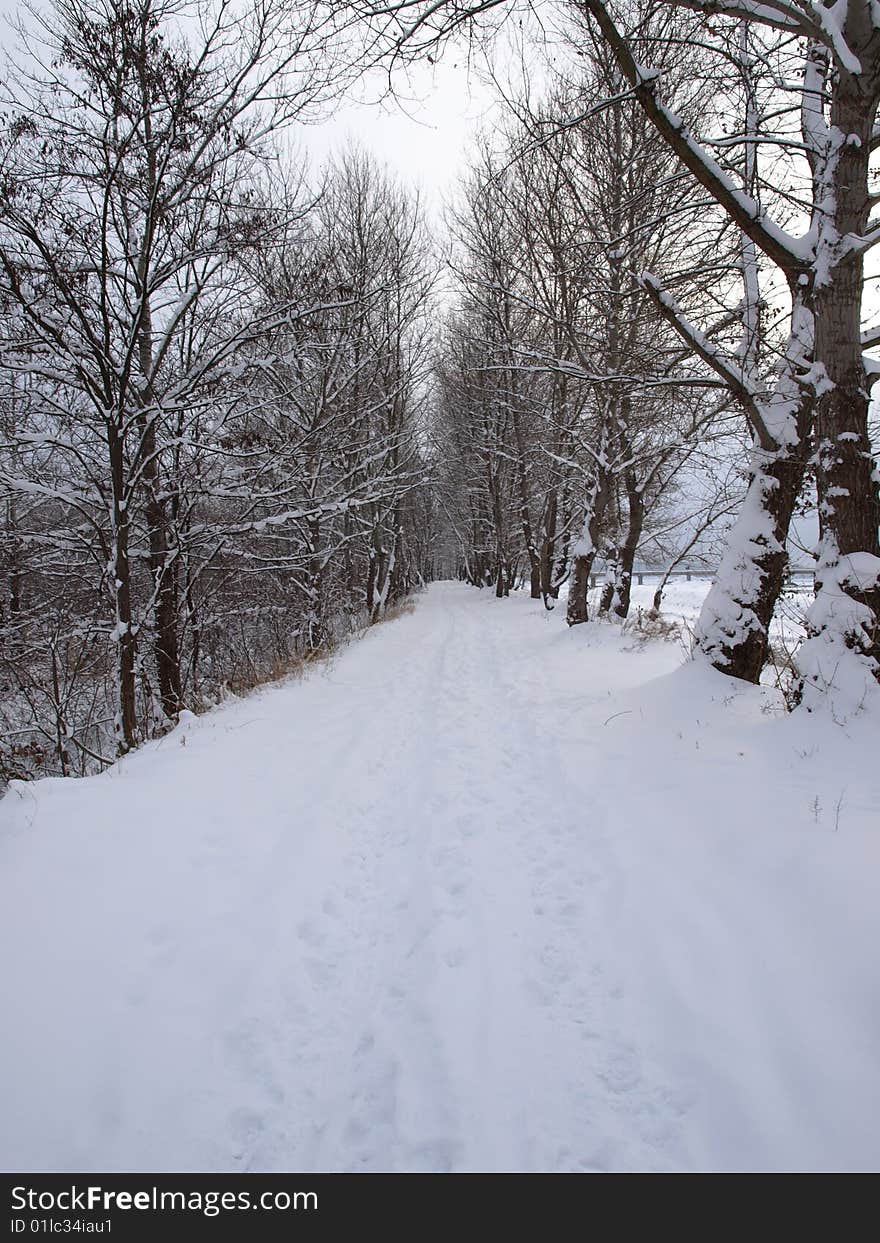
(648, 624)
(400, 609)
(28, 752)
(296, 666)
(783, 673)
(278, 670)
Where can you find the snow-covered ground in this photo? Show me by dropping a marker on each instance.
(683, 599)
(481, 894)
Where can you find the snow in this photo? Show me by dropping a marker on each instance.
(728, 617)
(483, 893)
(837, 670)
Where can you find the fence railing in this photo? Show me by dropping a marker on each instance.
(795, 574)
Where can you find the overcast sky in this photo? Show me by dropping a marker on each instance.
(423, 136)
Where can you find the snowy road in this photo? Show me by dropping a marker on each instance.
(454, 902)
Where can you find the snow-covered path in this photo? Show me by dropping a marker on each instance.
(477, 895)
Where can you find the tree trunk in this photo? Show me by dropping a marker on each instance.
(316, 620)
(162, 558)
(735, 618)
(163, 567)
(845, 618)
(548, 544)
(371, 582)
(126, 717)
(562, 566)
(621, 587)
(579, 585)
(387, 564)
(584, 551)
(494, 487)
(16, 563)
(525, 510)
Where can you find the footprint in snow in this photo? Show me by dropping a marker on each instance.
(310, 935)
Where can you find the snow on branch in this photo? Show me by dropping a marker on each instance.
(810, 21)
(792, 255)
(729, 370)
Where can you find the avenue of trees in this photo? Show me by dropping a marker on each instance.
(240, 416)
(778, 153)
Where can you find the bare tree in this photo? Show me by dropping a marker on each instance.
(211, 373)
(811, 164)
(126, 162)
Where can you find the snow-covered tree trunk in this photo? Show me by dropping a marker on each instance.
(584, 550)
(844, 621)
(734, 622)
(621, 585)
(548, 545)
(525, 516)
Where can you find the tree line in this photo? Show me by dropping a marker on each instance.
(212, 371)
(700, 177)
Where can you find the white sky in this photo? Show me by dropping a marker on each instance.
(423, 135)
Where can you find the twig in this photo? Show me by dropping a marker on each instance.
(837, 810)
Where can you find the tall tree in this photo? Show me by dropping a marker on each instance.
(126, 162)
(826, 70)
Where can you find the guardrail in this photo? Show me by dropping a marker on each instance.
(795, 572)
